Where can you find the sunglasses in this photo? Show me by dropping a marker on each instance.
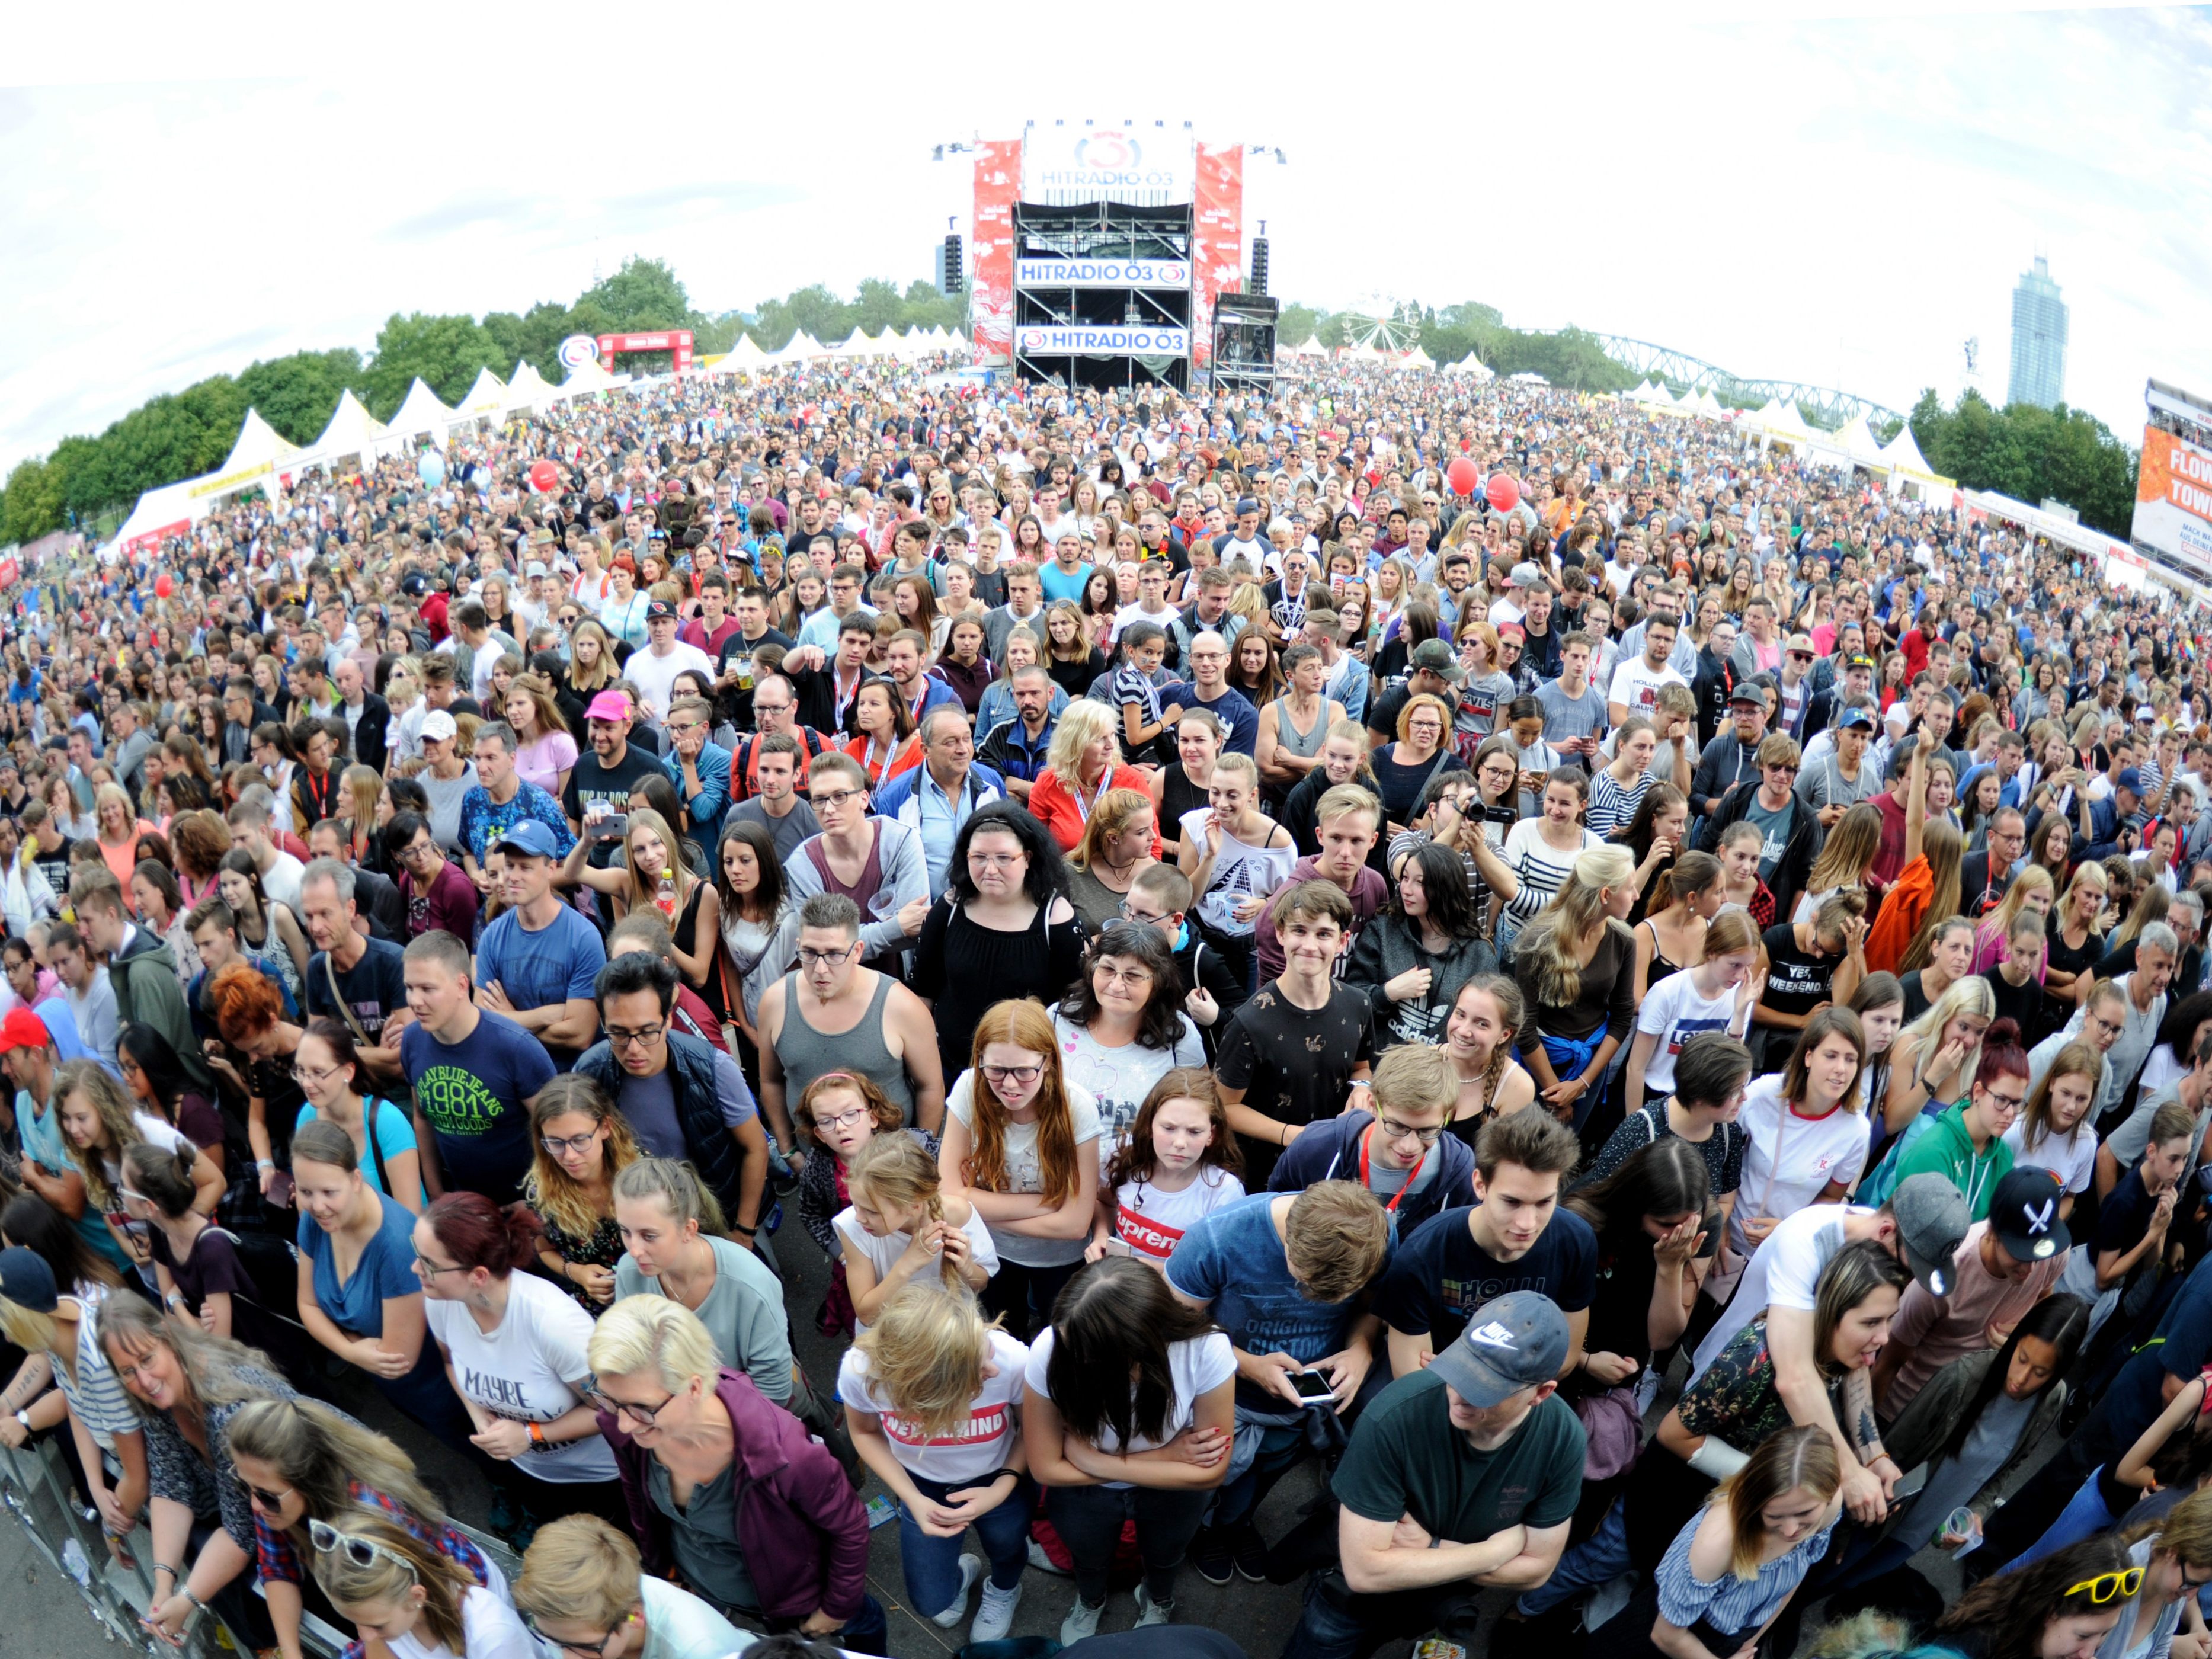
(268, 1500)
(359, 1551)
(2106, 1585)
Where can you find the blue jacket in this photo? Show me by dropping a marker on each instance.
(1329, 1151)
(713, 801)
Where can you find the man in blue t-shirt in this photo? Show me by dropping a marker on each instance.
(1208, 688)
(474, 1073)
(1282, 1275)
(537, 962)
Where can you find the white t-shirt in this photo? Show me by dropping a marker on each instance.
(653, 676)
(883, 1253)
(523, 1371)
(679, 1626)
(281, 880)
(1784, 1273)
(1152, 1221)
(1025, 1174)
(967, 1454)
(1197, 1367)
(151, 1128)
(490, 1630)
(1674, 1011)
(1791, 1159)
(1120, 1079)
(1636, 687)
(2073, 1163)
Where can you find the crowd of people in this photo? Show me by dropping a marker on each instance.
(1647, 1023)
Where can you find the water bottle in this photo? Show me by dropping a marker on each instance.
(665, 896)
(74, 1562)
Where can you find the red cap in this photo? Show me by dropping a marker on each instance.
(23, 1029)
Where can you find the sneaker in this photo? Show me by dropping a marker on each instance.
(1210, 1552)
(1150, 1611)
(971, 1568)
(994, 1614)
(1082, 1620)
(1043, 1562)
(1249, 1552)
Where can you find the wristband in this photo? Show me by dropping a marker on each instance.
(749, 1232)
(537, 1440)
(264, 1164)
(996, 1472)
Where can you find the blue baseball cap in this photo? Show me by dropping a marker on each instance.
(1512, 1342)
(529, 836)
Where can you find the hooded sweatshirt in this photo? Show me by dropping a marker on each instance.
(145, 975)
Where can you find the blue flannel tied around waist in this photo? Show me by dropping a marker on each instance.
(1571, 1058)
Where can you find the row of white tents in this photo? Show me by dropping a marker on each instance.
(1851, 446)
(261, 458)
(1370, 353)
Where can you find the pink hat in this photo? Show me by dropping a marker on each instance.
(609, 706)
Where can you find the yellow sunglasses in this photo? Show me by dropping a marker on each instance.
(2106, 1585)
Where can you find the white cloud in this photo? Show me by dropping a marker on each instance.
(1824, 193)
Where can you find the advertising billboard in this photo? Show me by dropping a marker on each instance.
(1102, 273)
(1104, 340)
(991, 244)
(1067, 167)
(2174, 499)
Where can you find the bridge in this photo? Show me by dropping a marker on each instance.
(1823, 405)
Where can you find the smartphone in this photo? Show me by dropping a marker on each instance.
(281, 1189)
(611, 828)
(1313, 1387)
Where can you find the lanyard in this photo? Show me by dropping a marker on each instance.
(1412, 1176)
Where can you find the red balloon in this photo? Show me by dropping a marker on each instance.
(544, 475)
(1464, 475)
(164, 584)
(1504, 493)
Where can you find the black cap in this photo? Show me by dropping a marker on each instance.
(659, 610)
(2024, 1215)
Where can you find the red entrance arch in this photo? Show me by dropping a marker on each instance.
(675, 341)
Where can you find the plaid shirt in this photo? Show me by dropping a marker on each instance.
(279, 1560)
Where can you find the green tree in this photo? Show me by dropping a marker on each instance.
(444, 351)
(2031, 454)
(643, 295)
(297, 394)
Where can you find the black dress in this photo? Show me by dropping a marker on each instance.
(1074, 677)
(1178, 795)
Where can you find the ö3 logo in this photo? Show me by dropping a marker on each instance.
(1109, 152)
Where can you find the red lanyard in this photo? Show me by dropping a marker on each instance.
(1412, 1176)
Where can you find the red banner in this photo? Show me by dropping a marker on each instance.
(991, 249)
(10, 573)
(1217, 253)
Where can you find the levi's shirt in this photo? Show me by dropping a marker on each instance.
(968, 1453)
(1151, 1222)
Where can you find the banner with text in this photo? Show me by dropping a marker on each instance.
(1104, 340)
(2174, 499)
(1102, 273)
(1216, 236)
(991, 247)
(1067, 167)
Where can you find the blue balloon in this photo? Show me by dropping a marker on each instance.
(431, 468)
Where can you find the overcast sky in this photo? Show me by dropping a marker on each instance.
(1820, 192)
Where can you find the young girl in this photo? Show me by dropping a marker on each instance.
(1480, 1038)
(1808, 1141)
(653, 876)
(1938, 1054)
(409, 1600)
(1684, 900)
(1879, 1004)
(1021, 1144)
(1616, 791)
(1965, 1145)
(196, 1265)
(1716, 995)
(840, 1113)
(98, 1126)
(1127, 1413)
(901, 1227)
(583, 1591)
(887, 744)
(931, 1393)
(2030, 893)
(1741, 889)
(1177, 1165)
(581, 1144)
(1234, 856)
(1539, 851)
(1846, 858)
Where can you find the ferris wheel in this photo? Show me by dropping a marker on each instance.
(1381, 322)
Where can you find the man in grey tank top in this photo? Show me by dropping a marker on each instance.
(831, 1014)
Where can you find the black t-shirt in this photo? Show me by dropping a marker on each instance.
(1440, 1275)
(1916, 999)
(1293, 1065)
(2125, 1216)
(373, 988)
(2021, 1003)
(1620, 1302)
(1796, 979)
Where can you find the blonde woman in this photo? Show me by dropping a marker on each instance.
(99, 1124)
(1083, 763)
(2075, 945)
(932, 1396)
(2032, 892)
(1115, 849)
(1576, 966)
(546, 749)
(120, 826)
(1845, 858)
(412, 1601)
(583, 1591)
(1937, 1055)
(653, 876)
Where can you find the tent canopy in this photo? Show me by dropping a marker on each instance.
(526, 388)
(486, 397)
(258, 448)
(420, 413)
(352, 431)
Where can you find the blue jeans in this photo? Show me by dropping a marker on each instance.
(1341, 1623)
(933, 1563)
(2084, 1516)
(1598, 1559)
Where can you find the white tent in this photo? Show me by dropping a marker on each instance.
(1905, 465)
(421, 414)
(800, 347)
(485, 399)
(526, 388)
(1642, 391)
(586, 377)
(1473, 368)
(745, 354)
(1653, 393)
(1787, 426)
(352, 431)
(169, 511)
(1416, 358)
(258, 449)
(1709, 404)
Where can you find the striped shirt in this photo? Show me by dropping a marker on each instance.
(1731, 1605)
(95, 1398)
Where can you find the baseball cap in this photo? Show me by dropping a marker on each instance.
(530, 836)
(2130, 780)
(1748, 691)
(1855, 719)
(438, 725)
(26, 1280)
(2024, 1215)
(1246, 504)
(1526, 575)
(1513, 1342)
(609, 706)
(1860, 660)
(23, 1029)
(2144, 713)
(1435, 657)
(1799, 642)
(659, 610)
(1932, 1219)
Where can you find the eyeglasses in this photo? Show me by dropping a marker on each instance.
(1135, 978)
(644, 1037)
(429, 1269)
(268, 1500)
(844, 1120)
(813, 958)
(557, 1145)
(645, 1417)
(1138, 917)
(1020, 1076)
(834, 797)
(595, 1648)
(313, 1079)
(1396, 1131)
(361, 1552)
(2106, 1585)
(995, 860)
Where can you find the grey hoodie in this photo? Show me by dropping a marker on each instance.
(144, 975)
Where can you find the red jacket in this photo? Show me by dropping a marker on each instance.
(801, 1525)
